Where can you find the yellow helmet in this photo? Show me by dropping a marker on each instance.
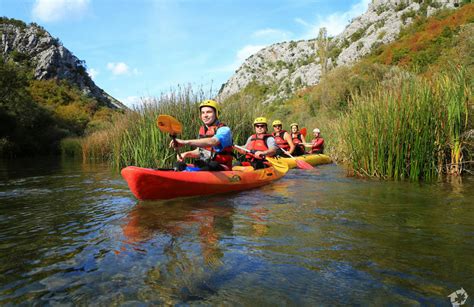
(260, 120)
(276, 122)
(210, 103)
(294, 124)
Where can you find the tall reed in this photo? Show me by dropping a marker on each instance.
(134, 138)
(401, 130)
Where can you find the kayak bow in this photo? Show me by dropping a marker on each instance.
(312, 159)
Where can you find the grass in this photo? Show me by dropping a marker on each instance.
(134, 139)
(409, 129)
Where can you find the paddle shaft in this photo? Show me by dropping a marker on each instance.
(249, 151)
(176, 149)
(287, 153)
(299, 163)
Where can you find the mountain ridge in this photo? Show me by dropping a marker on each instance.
(33, 46)
(286, 67)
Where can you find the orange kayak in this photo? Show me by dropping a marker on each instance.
(147, 184)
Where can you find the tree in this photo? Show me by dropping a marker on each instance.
(322, 49)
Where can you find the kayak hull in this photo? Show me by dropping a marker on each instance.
(148, 184)
(313, 159)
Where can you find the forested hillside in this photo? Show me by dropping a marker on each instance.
(45, 93)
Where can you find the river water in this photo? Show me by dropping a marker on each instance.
(72, 233)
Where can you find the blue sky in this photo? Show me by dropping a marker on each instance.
(144, 48)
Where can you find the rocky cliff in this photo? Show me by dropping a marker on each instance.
(33, 46)
(286, 67)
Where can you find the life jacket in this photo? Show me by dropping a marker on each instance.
(317, 145)
(257, 143)
(224, 156)
(296, 138)
(280, 141)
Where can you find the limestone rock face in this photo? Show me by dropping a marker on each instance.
(288, 66)
(50, 59)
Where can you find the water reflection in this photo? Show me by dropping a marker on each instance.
(188, 237)
(176, 219)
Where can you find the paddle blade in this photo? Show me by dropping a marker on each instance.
(303, 131)
(279, 165)
(169, 124)
(303, 164)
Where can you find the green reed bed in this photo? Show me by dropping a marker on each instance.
(134, 138)
(409, 129)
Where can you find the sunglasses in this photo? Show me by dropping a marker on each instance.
(260, 126)
(277, 126)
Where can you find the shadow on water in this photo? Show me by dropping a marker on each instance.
(73, 233)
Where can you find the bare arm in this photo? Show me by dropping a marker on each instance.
(189, 154)
(206, 142)
(287, 138)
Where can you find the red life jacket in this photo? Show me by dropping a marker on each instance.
(224, 156)
(296, 138)
(257, 143)
(317, 145)
(280, 141)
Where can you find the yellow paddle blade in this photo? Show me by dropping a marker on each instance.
(168, 123)
(278, 164)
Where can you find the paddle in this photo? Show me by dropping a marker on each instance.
(280, 166)
(299, 163)
(169, 124)
(303, 131)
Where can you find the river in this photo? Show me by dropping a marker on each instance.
(72, 233)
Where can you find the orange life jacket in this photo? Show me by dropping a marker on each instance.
(280, 141)
(258, 142)
(224, 156)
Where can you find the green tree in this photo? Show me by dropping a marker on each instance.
(322, 49)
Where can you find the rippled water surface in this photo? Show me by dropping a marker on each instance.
(73, 234)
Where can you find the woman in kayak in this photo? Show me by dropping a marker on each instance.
(282, 138)
(261, 144)
(214, 144)
(298, 140)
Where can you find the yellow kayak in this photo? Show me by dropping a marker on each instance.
(313, 159)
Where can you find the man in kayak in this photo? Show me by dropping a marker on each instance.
(214, 144)
(261, 144)
(317, 144)
(298, 140)
(282, 138)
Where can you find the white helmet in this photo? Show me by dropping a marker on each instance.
(316, 130)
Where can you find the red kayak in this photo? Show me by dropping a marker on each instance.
(146, 183)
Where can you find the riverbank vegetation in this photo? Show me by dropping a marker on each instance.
(134, 139)
(35, 115)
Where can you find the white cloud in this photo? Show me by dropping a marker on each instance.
(92, 73)
(240, 57)
(118, 68)
(56, 10)
(132, 101)
(334, 23)
(273, 34)
(247, 51)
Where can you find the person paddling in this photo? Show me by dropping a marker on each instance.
(282, 138)
(214, 144)
(297, 139)
(261, 144)
(317, 144)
